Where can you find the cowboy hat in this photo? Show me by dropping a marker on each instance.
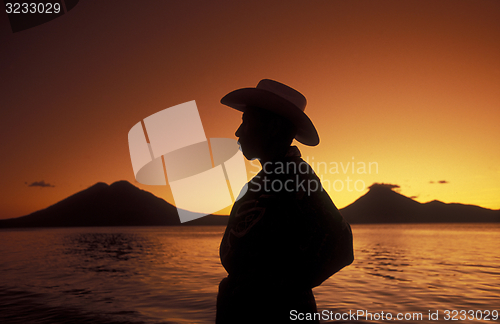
(280, 99)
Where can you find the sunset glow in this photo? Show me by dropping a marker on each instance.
(408, 88)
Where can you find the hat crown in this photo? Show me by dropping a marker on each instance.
(284, 91)
(280, 99)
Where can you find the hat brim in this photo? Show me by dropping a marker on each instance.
(243, 99)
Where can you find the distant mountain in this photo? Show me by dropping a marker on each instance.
(123, 204)
(118, 204)
(383, 205)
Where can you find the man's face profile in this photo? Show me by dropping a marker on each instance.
(263, 135)
(251, 134)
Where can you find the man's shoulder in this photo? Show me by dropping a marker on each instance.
(285, 177)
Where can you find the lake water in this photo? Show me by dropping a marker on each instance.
(171, 274)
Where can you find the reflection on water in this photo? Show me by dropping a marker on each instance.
(384, 261)
(102, 252)
(417, 268)
(171, 274)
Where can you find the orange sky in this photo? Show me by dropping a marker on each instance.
(411, 85)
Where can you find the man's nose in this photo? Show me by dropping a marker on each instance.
(238, 131)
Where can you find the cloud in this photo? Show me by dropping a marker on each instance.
(41, 184)
(442, 181)
(384, 185)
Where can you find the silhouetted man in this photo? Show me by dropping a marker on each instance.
(284, 236)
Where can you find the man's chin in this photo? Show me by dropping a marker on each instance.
(247, 155)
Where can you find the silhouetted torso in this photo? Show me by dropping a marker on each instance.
(280, 242)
